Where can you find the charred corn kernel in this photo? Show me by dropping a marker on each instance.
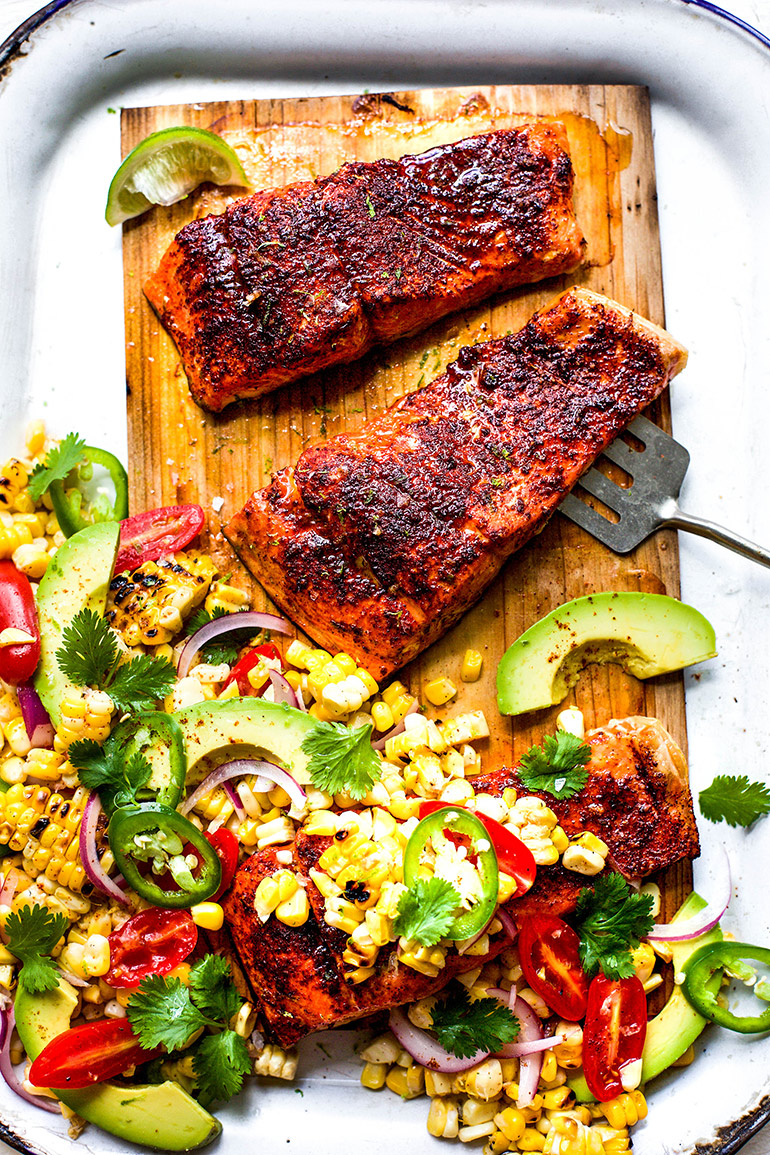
(382, 715)
(625, 1110)
(557, 1098)
(44, 764)
(408, 1082)
(443, 1118)
(17, 738)
(511, 1122)
(531, 1140)
(358, 975)
(465, 728)
(373, 1076)
(439, 691)
(13, 478)
(479, 1131)
(96, 956)
(295, 910)
(497, 1144)
(549, 1068)
(31, 559)
(572, 721)
(427, 960)
(208, 915)
(382, 1049)
(470, 670)
(276, 1063)
(275, 832)
(327, 886)
(582, 861)
(485, 1081)
(138, 599)
(569, 1054)
(437, 1083)
(343, 915)
(223, 596)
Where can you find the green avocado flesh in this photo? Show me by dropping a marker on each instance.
(77, 578)
(647, 634)
(160, 1115)
(246, 728)
(677, 1025)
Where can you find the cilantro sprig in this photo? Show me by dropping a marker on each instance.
(465, 1026)
(558, 767)
(59, 462)
(342, 760)
(611, 920)
(734, 799)
(228, 648)
(89, 656)
(105, 769)
(165, 1013)
(427, 910)
(33, 932)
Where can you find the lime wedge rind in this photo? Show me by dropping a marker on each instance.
(166, 167)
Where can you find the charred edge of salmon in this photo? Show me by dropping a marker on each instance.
(294, 279)
(383, 569)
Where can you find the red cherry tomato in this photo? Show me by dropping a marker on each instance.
(88, 1054)
(158, 532)
(513, 857)
(614, 1031)
(17, 611)
(153, 942)
(226, 845)
(240, 670)
(550, 959)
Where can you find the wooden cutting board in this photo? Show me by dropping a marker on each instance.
(178, 453)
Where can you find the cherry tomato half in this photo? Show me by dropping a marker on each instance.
(17, 611)
(550, 959)
(88, 1054)
(240, 670)
(513, 856)
(158, 532)
(614, 1031)
(153, 942)
(226, 845)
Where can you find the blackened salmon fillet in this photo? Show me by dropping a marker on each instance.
(294, 279)
(377, 542)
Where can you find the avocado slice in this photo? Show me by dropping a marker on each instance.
(245, 727)
(162, 1115)
(647, 634)
(78, 577)
(677, 1025)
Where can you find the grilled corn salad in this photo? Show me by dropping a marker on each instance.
(61, 802)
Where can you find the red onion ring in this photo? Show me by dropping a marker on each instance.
(509, 926)
(399, 727)
(530, 1065)
(237, 769)
(97, 875)
(10, 883)
(38, 725)
(245, 620)
(7, 1023)
(706, 919)
(232, 794)
(425, 1050)
(282, 690)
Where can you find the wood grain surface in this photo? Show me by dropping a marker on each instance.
(178, 453)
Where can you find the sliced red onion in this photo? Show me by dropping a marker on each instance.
(239, 767)
(73, 980)
(282, 690)
(246, 620)
(509, 926)
(232, 794)
(530, 1065)
(10, 883)
(38, 725)
(425, 1050)
(399, 727)
(97, 875)
(707, 918)
(7, 1022)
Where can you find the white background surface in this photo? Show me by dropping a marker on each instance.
(757, 12)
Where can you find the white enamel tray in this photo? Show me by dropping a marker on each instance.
(61, 356)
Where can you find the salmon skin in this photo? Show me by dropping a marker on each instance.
(376, 542)
(294, 279)
(636, 799)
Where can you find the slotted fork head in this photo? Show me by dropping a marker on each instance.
(657, 473)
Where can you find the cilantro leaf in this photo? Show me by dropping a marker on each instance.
(220, 1063)
(612, 919)
(212, 988)
(137, 684)
(558, 766)
(427, 910)
(104, 769)
(465, 1026)
(734, 800)
(225, 650)
(89, 650)
(162, 1013)
(33, 932)
(342, 760)
(59, 462)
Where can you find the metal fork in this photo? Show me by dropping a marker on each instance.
(650, 502)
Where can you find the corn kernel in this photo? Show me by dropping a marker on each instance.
(443, 1118)
(373, 1076)
(439, 691)
(294, 911)
(382, 716)
(471, 667)
(208, 915)
(408, 1082)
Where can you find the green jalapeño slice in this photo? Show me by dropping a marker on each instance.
(454, 845)
(162, 856)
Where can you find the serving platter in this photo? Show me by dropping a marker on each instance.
(62, 349)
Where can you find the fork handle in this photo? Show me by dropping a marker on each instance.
(678, 519)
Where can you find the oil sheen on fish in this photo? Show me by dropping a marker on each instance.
(294, 279)
(377, 542)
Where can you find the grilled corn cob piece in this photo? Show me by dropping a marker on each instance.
(85, 713)
(44, 827)
(149, 605)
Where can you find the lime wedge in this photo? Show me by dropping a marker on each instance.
(166, 166)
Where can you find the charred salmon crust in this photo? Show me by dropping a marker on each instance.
(376, 542)
(294, 279)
